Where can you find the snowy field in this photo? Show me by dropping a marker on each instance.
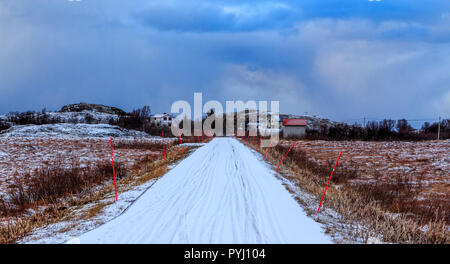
(429, 159)
(222, 193)
(27, 148)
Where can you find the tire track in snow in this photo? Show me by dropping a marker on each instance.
(221, 193)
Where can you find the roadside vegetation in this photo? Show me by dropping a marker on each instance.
(387, 210)
(49, 194)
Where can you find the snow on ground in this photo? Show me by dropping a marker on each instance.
(75, 117)
(24, 154)
(221, 193)
(428, 158)
(191, 144)
(52, 234)
(70, 130)
(80, 117)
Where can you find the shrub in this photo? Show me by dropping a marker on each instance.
(4, 126)
(47, 185)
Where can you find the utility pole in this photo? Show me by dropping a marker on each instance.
(439, 128)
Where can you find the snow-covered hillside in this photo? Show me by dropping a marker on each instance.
(74, 113)
(83, 117)
(70, 130)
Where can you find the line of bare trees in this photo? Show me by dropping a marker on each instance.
(387, 129)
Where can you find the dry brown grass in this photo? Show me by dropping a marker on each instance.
(94, 210)
(23, 155)
(367, 209)
(49, 184)
(58, 204)
(140, 144)
(427, 160)
(17, 228)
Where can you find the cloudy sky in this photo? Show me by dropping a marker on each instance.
(339, 59)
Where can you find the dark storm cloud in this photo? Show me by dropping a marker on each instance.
(238, 16)
(211, 17)
(342, 59)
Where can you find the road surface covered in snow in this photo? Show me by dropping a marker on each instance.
(221, 193)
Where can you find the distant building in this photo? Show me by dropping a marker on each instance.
(272, 121)
(294, 127)
(161, 120)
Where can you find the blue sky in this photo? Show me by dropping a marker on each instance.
(338, 59)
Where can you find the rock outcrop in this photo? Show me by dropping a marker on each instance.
(80, 107)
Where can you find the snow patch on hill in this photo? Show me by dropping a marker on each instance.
(83, 117)
(70, 130)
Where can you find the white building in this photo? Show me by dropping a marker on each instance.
(161, 120)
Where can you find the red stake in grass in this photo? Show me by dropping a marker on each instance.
(114, 172)
(286, 155)
(164, 149)
(181, 143)
(329, 181)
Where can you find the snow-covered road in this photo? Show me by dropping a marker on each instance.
(221, 193)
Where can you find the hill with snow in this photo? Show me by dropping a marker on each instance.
(70, 130)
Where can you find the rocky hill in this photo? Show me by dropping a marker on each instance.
(73, 113)
(81, 107)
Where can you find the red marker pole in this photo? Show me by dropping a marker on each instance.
(164, 150)
(340, 153)
(253, 140)
(181, 143)
(285, 155)
(114, 172)
(259, 143)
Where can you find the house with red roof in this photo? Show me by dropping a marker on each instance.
(294, 127)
